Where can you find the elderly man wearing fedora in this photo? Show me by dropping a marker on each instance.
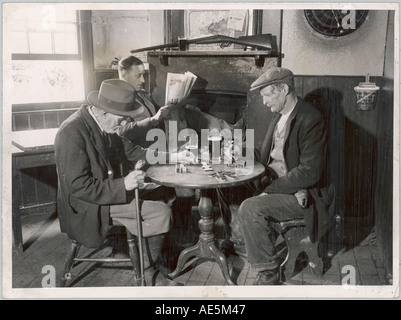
(296, 182)
(96, 177)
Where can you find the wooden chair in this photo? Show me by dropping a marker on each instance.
(72, 260)
(297, 241)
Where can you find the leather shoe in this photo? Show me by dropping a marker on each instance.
(267, 278)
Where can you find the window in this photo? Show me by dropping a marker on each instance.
(46, 55)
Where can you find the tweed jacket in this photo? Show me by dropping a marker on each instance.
(90, 167)
(305, 155)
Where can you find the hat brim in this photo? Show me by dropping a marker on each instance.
(263, 85)
(93, 100)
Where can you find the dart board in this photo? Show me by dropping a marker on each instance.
(330, 22)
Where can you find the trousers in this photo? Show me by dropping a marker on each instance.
(255, 215)
(155, 212)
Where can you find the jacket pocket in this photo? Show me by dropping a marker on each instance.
(78, 206)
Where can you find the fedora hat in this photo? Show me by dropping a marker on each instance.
(117, 97)
(273, 75)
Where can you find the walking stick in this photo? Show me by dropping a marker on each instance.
(138, 165)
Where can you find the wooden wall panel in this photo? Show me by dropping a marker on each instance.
(36, 120)
(51, 120)
(64, 115)
(20, 122)
(360, 158)
(309, 84)
(299, 85)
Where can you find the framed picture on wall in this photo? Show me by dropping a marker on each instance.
(204, 23)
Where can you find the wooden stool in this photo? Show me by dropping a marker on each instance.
(297, 240)
(133, 258)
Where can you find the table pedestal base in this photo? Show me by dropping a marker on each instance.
(205, 248)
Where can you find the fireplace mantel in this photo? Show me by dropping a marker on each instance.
(258, 55)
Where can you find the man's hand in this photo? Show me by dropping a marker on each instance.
(134, 179)
(302, 198)
(174, 103)
(162, 114)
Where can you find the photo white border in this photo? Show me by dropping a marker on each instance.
(202, 292)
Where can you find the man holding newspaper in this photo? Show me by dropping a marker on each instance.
(132, 70)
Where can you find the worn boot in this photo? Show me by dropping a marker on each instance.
(155, 273)
(267, 278)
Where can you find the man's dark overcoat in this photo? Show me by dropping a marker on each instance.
(90, 166)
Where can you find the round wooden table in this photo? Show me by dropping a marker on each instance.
(197, 177)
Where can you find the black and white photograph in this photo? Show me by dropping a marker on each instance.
(200, 150)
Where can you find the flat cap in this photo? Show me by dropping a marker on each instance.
(273, 75)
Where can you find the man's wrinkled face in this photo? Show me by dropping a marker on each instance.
(274, 98)
(135, 76)
(111, 123)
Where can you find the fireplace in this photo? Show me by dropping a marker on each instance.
(227, 105)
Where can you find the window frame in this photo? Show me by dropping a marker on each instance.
(45, 56)
(84, 38)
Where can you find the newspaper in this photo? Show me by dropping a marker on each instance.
(178, 86)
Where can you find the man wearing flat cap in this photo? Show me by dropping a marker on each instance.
(95, 168)
(295, 184)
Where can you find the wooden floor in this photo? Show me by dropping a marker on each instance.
(45, 245)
